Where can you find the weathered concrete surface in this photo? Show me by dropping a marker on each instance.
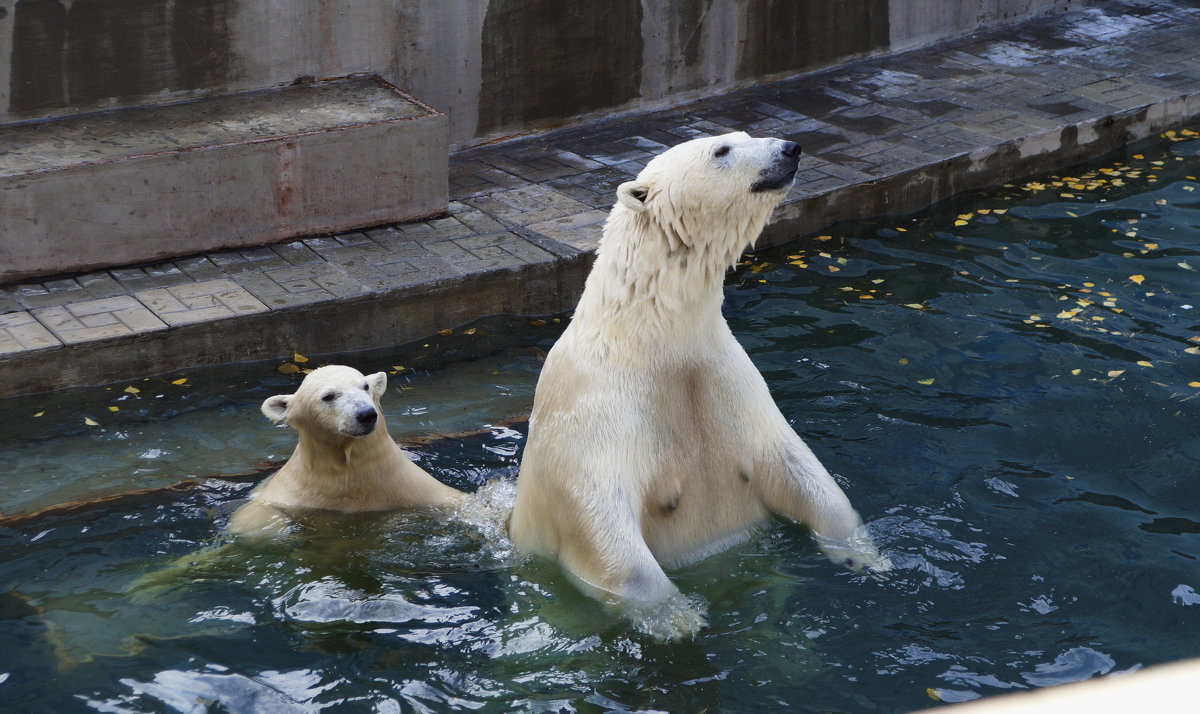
(143, 184)
(494, 68)
(883, 135)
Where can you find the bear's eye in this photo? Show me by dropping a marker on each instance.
(721, 151)
(329, 396)
(366, 387)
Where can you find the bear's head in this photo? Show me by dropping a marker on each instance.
(712, 193)
(333, 401)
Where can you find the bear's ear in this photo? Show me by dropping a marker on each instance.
(378, 382)
(632, 195)
(275, 408)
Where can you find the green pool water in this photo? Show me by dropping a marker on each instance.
(1006, 385)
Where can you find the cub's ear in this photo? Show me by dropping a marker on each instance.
(632, 195)
(275, 408)
(378, 382)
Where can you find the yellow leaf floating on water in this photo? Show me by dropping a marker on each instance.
(90, 422)
(444, 333)
(915, 306)
(35, 416)
(1194, 385)
(1151, 246)
(1076, 372)
(1114, 373)
(299, 358)
(960, 222)
(132, 390)
(1193, 350)
(933, 694)
(903, 361)
(833, 268)
(180, 381)
(535, 323)
(1137, 278)
(926, 382)
(288, 368)
(469, 331)
(1144, 363)
(114, 409)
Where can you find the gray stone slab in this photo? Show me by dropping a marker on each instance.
(205, 301)
(145, 183)
(21, 332)
(92, 320)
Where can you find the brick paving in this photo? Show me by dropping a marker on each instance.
(891, 133)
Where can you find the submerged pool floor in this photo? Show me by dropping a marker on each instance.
(1006, 385)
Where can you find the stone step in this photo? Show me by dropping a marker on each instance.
(141, 184)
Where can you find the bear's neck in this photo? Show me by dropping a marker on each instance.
(338, 466)
(647, 289)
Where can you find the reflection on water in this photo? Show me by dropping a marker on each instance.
(1005, 385)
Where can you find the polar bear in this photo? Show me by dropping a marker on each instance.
(654, 440)
(345, 459)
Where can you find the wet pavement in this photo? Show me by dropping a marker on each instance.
(881, 135)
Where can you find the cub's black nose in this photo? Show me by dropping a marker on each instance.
(366, 416)
(791, 149)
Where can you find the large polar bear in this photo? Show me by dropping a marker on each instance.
(654, 440)
(345, 459)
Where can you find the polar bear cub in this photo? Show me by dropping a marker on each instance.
(654, 440)
(345, 459)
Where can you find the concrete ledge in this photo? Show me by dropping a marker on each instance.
(142, 184)
(883, 136)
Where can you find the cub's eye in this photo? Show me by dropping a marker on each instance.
(366, 387)
(721, 151)
(329, 397)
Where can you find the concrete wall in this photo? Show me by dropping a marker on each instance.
(495, 67)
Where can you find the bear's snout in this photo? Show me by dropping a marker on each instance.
(367, 416)
(778, 175)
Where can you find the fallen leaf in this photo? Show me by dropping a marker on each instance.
(469, 331)
(823, 238)
(915, 306)
(1194, 385)
(903, 361)
(398, 368)
(535, 323)
(926, 382)
(35, 416)
(1115, 373)
(444, 333)
(288, 368)
(132, 390)
(90, 422)
(299, 358)
(1137, 278)
(114, 409)
(960, 222)
(1076, 372)
(181, 380)
(834, 268)
(1144, 363)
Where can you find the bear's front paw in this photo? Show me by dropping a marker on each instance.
(673, 618)
(858, 553)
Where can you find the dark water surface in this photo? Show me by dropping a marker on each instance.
(1006, 385)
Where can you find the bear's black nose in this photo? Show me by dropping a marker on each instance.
(791, 149)
(366, 416)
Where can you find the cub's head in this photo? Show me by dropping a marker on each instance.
(333, 400)
(707, 189)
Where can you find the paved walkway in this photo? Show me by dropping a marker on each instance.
(885, 135)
